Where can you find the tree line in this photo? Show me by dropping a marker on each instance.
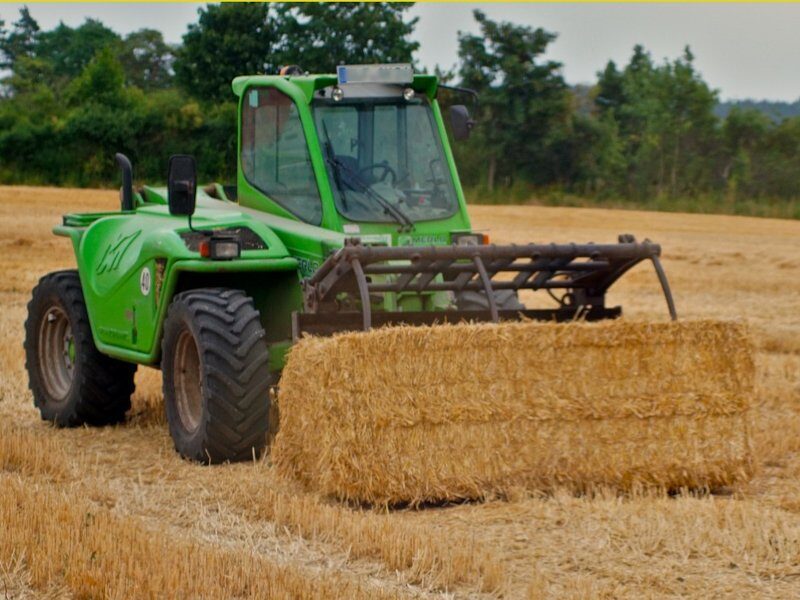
(72, 96)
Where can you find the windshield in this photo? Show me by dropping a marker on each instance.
(385, 160)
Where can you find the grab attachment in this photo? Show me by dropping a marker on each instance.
(584, 272)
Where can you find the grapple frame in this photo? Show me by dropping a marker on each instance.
(584, 272)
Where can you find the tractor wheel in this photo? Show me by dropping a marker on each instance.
(72, 382)
(216, 376)
(505, 300)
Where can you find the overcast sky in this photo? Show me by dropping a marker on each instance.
(744, 50)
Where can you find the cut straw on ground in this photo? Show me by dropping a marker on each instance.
(435, 560)
(66, 542)
(31, 452)
(412, 415)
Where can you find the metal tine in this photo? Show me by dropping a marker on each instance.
(523, 276)
(437, 267)
(424, 274)
(466, 276)
(620, 268)
(405, 279)
(366, 307)
(498, 265)
(462, 279)
(487, 286)
(544, 276)
(662, 279)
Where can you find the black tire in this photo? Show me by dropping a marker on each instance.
(72, 382)
(216, 376)
(505, 300)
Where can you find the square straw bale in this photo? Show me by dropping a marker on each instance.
(418, 414)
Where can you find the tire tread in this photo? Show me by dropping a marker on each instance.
(235, 362)
(101, 394)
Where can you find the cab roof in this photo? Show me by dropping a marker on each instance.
(308, 84)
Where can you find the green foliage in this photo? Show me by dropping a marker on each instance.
(101, 82)
(664, 114)
(30, 74)
(240, 39)
(525, 105)
(20, 41)
(70, 50)
(776, 163)
(320, 36)
(147, 60)
(228, 40)
(645, 134)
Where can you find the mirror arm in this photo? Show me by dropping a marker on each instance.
(461, 90)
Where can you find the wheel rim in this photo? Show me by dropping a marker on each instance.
(56, 353)
(188, 386)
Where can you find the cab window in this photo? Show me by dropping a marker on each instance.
(275, 157)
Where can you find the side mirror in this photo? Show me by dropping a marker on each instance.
(460, 121)
(182, 185)
(126, 191)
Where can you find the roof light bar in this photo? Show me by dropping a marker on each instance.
(398, 73)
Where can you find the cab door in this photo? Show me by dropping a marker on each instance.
(274, 156)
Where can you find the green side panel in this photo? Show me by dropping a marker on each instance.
(152, 195)
(130, 266)
(309, 244)
(278, 355)
(85, 219)
(73, 233)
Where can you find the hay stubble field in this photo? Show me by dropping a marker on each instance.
(115, 512)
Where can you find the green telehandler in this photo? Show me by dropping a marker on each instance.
(347, 214)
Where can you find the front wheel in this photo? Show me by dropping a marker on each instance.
(477, 300)
(216, 376)
(72, 382)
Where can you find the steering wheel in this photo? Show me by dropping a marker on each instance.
(387, 171)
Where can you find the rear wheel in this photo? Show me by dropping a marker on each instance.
(72, 382)
(216, 376)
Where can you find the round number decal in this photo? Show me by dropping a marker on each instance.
(144, 281)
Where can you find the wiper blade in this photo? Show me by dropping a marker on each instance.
(388, 208)
(339, 167)
(330, 157)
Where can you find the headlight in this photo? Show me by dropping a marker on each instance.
(220, 248)
(225, 249)
(246, 238)
(469, 239)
